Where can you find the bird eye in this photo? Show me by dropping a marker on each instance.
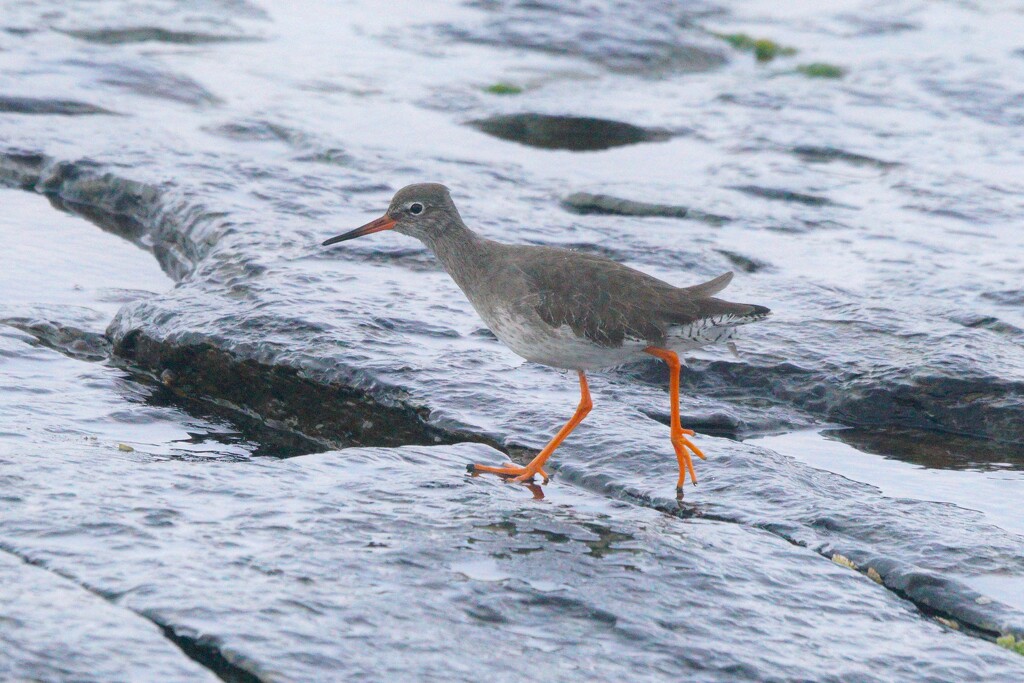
(415, 208)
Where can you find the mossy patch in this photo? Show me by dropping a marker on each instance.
(764, 50)
(821, 70)
(1011, 643)
(503, 89)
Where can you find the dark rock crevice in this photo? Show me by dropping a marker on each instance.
(206, 653)
(335, 416)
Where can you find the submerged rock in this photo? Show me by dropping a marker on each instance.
(154, 34)
(155, 82)
(934, 450)
(817, 154)
(784, 195)
(34, 105)
(619, 36)
(587, 203)
(576, 133)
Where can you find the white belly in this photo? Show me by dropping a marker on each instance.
(558, 347)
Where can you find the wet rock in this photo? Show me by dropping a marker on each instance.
(67, 339)
(927, 397)
(941, 394)
(784, 195)
(620, 36)
(34, 105)
(336, 548)
(261, 357)
(587, 203)
(55, 630)
(172, 227)
(576, 133)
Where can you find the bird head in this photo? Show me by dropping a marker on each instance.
(421, 211)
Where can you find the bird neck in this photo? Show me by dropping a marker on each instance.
(456, 243)
(458, 249)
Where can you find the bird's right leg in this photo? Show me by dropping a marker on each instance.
(536, 466)
(679, 441)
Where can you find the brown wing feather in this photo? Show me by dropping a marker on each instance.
(608, 302)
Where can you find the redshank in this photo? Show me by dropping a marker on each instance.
(568, 310)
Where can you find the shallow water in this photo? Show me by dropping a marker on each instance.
(878, 215)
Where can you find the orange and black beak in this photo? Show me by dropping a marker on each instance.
(385, 222)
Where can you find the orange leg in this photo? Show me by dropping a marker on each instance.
(679, 440)
(524, 474)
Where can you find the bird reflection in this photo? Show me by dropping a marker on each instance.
(536, 489)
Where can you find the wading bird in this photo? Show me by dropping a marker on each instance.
(566, 309)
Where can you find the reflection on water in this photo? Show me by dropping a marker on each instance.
(933, 449)
(985, 491)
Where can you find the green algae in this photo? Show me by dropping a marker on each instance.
(821, 70)
(1011, 644)
(503, 89)
(764, 50)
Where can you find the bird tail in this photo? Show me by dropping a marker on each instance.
(718, 313)
(709, 288)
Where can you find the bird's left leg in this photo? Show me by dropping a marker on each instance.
(679, 440)
(536, 466)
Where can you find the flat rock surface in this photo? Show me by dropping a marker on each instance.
(393, 562)
(53, 629)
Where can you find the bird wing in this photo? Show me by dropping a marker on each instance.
(608, 303)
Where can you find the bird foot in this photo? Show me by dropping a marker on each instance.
(683, 446)
(686, 443)
(511, 472)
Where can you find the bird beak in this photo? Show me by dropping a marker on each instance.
(385, 222)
